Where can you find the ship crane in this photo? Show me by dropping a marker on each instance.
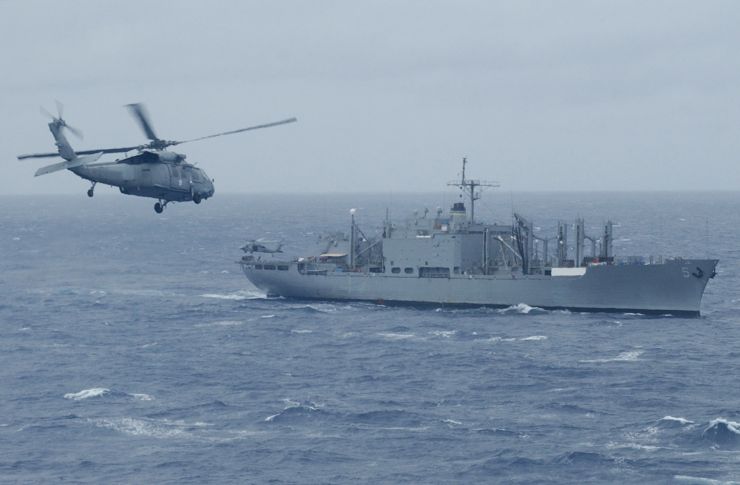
(468, 186)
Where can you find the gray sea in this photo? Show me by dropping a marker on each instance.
(134, 351)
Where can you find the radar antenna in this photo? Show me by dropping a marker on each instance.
(468, 186)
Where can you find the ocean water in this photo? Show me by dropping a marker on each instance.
(134, 351)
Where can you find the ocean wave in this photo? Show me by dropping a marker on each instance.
(295, 411)
(87, 393)
(521, 308)
(672, 421)
(388, 419)
(237, 295)
(587, 458)
(722, 431)
(534, 338)
(631, 446)
(148, 427)
(700, 480)
(396, 336)
(319, 308)
(99, 392)
(443, 333)
(627, 356)
(221, 323)
(501, 339)
(498, 432)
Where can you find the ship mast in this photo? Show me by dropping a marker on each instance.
(468, 186)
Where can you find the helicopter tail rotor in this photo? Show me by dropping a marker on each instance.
(59, 119)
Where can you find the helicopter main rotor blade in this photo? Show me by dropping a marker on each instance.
(81, 152)
(108, 150)
(38, 155)
(60, 108)
(256, 127)
(139, 112)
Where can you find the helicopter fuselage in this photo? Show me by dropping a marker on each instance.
(151, 176)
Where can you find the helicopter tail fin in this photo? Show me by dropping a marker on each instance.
(67, 164)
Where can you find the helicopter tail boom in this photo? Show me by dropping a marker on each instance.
(67, 164)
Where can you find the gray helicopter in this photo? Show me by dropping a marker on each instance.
(153, 172)
(259, 246)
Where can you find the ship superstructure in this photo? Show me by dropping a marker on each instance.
(453, 259)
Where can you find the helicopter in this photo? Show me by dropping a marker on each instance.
(153, 172)
(258, 246)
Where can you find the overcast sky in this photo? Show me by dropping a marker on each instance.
(570, 95)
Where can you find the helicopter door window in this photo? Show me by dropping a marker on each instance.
(176, 172)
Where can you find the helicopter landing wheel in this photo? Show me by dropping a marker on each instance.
(197, 198)
(158, 208)
(91, 190)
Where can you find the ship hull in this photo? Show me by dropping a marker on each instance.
(675, 287)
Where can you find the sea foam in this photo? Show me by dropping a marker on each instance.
(628, 356)
(87, 393)
(237, 295)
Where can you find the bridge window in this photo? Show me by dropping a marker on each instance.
(257, 266)
(282, 267)
(269, 266)
(408, 270)
(396, 270)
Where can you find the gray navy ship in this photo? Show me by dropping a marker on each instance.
(453, 259)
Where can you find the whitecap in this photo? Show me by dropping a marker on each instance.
(237, 295)
(220, 323)
(227, 323)
(267, 316)
(323, 308)
(678, 420)
(518, 308)
(534, 338)
(443, 333)
(731, 425)
(452, 421)
(301, 330)
(501, 339)
(396, 336)
(142, 397)
(87, 393)
(290, 404)
(698, 480)
(633, 446)
(628, 356)
(141, 427)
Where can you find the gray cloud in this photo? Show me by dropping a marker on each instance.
(539, 95)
